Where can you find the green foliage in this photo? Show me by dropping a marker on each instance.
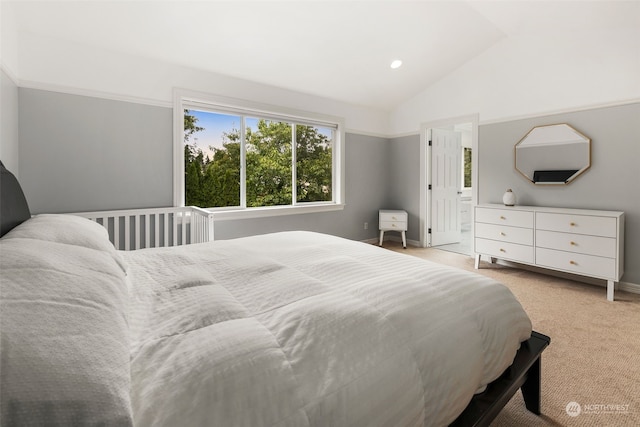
(190, 125)
(467, 167)
(268, 164)
(314, 165)
(216, 182)
(193, 163)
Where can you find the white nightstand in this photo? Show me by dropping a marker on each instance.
(391, 220)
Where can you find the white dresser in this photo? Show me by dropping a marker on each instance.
(393, 220)
(585, 242)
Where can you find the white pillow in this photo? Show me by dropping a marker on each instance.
(65, 336)
(70, 230)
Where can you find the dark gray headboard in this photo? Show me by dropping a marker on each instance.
(14, 209)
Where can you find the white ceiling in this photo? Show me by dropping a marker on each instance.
(336, 49)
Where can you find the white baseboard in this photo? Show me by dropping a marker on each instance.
(371, 241)
(620, 286)
(394, 238)
(629, 287)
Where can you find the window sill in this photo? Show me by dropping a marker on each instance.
(223, 215)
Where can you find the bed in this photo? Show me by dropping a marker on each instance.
(283, 329)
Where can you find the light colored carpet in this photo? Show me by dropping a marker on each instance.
(594, 355)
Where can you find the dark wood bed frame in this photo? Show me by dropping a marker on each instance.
(523, 374)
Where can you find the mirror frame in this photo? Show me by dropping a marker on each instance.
(569, 179)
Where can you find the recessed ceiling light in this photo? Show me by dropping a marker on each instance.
(396, 64)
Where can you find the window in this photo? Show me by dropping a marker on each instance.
(239, 159)
(211, 159)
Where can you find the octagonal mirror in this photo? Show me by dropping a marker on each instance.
(553, 154)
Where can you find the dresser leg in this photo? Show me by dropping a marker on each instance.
(477, 261)
(381, 237)
(404, 240)
(610, 288)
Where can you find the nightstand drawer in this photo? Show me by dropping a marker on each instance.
(578, 243)
(392, 216)
(503, 233)
(509, 217)
(504, 250)
(578, 224)
(393, 225)
(587, 265)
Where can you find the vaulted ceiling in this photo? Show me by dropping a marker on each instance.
(336, 49)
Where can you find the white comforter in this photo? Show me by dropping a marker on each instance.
(303, 329)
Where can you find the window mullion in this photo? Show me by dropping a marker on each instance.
(294, 182)
(335, 167)
(243, 164)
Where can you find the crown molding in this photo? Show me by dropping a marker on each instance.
(9, 73)
(534, 115)
(27, 84)
(561, 111)
(21, 83)
(365, 133)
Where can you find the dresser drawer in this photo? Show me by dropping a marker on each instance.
(587, 265)
(584, 242)
(578, 243)
(505, 250)
(503, 233)
(578, 224)
(509, 217)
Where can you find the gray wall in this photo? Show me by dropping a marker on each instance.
(9, 123)
(404, 180)
(610, 184)
(81, 153)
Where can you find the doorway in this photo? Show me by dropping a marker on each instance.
(448, 189)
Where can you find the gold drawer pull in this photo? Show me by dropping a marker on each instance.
(502, 250)
(573, 224)
(573, 244)
(502, 234)
(393, 218)
(393, 225)
(573, 263)
(501, 217)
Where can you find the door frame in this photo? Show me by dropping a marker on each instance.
(425, 170)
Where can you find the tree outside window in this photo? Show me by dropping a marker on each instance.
(213, 161)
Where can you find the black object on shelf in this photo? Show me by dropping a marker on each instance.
(553, 176)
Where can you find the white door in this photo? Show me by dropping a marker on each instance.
(446, 189)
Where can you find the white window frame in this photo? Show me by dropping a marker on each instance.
(187, 99)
